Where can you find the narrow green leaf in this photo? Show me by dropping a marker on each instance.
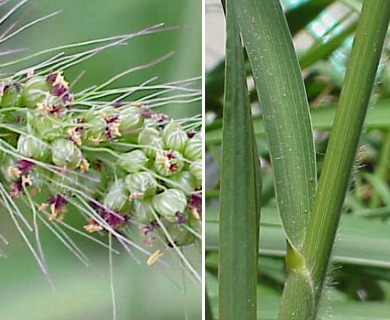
(304, 13)
(360, 241)
(208, 310)
(288, 128)
(285, 110)
(322, 50)
(343, 142)
(378, 117)
(238, 232)
(298, 18)
(346, 310)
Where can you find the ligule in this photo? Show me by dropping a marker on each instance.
(309, 215)
(286, 117)
(344, 139)
(298, 300)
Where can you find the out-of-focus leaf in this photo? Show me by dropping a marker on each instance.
(304, 13)
(360, 241)
(322, 50)
(297, 18)
(378, 117)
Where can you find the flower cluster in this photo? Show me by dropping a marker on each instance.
(121, 163)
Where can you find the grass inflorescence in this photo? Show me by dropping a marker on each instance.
(116, 161)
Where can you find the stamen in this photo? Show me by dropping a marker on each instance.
(154, 257)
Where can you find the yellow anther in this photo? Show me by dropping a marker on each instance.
(154, 257)
(92, 227)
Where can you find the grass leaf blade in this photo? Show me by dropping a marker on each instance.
(239, 198)
(345, 134)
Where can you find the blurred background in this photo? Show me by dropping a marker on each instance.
(142, 292)
(86, 20)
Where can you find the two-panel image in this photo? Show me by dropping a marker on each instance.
(215, 160)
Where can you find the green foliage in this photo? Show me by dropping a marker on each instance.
(310, 227)
(240, 207)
